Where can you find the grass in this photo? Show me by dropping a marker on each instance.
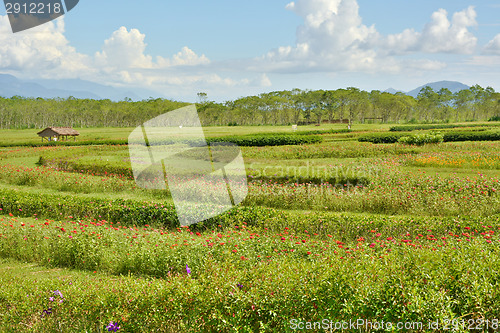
(113, 133)
(257, 280)
(340, 230)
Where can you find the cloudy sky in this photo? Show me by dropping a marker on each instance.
(230, 48)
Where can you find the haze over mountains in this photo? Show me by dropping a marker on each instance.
(12, 86)
(453, 86)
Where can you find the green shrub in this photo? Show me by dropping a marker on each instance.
(392, 137)
(471, 136)
(410, 128)
(65, 143)
(381, 137)
(258, 140)
(133, 212)
(421, 139)
(268, 140)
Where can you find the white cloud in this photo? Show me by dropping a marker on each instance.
(493, 47)
(124, 49)
(264, 81)
(42, 51)
(329, 36)
(439, 35)
(186, 57)
(334, 38)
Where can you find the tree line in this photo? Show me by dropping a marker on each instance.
(275, 108)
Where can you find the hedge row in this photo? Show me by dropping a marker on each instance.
(392, 137)
(409, 128)
(268, 140)
(472, 136)
(381, 137)
(421, 139)
(259, 140)
(65, 143)
(329, 131)
(130, 212)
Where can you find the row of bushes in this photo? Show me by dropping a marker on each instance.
(392, 137)
(268, 140)
(472, 136)
(381, 137)
(132, 212)
(65, 143)
(258, 140)
(410, 128)
(329, 131)
(421, 139)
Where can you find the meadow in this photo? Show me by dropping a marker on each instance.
(333, 230)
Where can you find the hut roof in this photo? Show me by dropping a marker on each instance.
(61, 131)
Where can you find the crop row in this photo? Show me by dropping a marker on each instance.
(409, 128)
(392, 137)
(252, 278)
(256, 140)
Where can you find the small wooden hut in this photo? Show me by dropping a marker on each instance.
(58, 134)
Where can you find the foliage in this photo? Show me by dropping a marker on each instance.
(410, 128)
(244, 279)
(340, 229)
(393, 137)
(268, 140)
(421, 139)
(471, 136)
(65, 143)
(381, 137)
(273, 108)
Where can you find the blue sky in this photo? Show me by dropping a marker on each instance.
(237, 48)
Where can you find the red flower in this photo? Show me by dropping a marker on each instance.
(308, 252)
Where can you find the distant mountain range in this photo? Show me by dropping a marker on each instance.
(453, 86)
(12, 86)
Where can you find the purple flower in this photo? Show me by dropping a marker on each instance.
(240, 285)
(51, 299)
(47, 311)
(113, 327)
(188, 270)
(57, 292)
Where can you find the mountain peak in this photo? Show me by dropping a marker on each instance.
(453, 86)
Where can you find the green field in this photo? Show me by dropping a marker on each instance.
(335, 231)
